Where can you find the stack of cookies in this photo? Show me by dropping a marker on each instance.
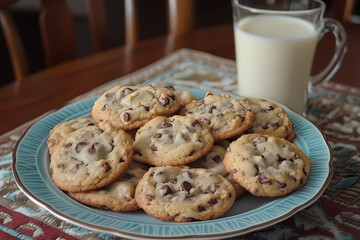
(178, 158)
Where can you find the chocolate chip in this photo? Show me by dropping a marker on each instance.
(211, 108)
(172, 180)
(166, 125)
(184, 136)
(186, 186)
(76, 168)
(166, 190)
(281, 185)
(206, 121)
(213, 201)
(293, 178)
(107, 166)
(262, 179)
(121, 160)
(149, 197)
(234, 171)
(188, 174)
(80, 146)
(304, 172)
(159, 173)
(201, 102)
(201, 208)
(220, 115)
(195, 122)
(280, 159)
(127, 176)
(92, 149)
(264, 127)
(211, 189)
(98, 131)
(275, 125)
(192, 153)
(103, 107)
(112, 144)
(128, 199)
(256, 167)
(172, 96)
(216, 158)
(248, 109)
(126, 117)
(60, 165)
(296, 156)
(146, 108)
(108, 96)
(154, 147)
(68, 145)
(268, 109)
(157, 135)
(259, 140)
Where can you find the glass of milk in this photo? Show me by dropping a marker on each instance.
(275, 42)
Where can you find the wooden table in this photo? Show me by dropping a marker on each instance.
(52, 88)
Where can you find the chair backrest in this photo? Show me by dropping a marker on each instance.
(57, 29)
(15, 46)
(342, 10)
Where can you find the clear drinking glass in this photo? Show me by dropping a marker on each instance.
(275, 42)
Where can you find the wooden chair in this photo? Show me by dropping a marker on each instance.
(58, 30)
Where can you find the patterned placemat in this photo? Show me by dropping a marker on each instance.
(334, 108)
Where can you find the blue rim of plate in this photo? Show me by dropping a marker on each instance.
(30, 168)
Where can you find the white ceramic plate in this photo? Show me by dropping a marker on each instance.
(30, 168)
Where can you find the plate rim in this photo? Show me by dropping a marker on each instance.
(119, 232)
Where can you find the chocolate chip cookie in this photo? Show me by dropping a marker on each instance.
(91, 157)
(270, 119)
(267, 165)
(129, 107)
(118, 195)
(227, 117)
(175, 140)
(183, 194)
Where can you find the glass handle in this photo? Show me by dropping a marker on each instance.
(334, 27)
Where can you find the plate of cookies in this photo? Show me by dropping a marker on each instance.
(151, 162)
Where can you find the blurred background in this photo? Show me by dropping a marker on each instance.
(151, 13)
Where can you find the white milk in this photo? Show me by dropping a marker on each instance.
(274, 56)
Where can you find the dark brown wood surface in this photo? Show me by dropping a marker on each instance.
(52, 88)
